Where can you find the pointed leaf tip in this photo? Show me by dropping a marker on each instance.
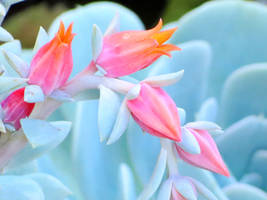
(97, 42)
(121, 123)
(33, 94)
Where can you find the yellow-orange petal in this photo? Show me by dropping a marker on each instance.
(163, 36)
(169, 47)
(61, 30)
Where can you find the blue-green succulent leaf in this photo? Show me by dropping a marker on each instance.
(52, 188)
(252, 130)
(20, 188)
(109, 104)
(244, 94)
(189, 142)
(244, 44)
(42, 39)
(5, 36)
(18, 64)
(182, 116)
(253, 179)
(156, 177)
(95, 164)
(208, 110)
(33, 94)
(97, 42)
(121, 123)
(204, 191)
(240, 191)
(165, 190)
(127, 183)
(9, 83)
(42, 136)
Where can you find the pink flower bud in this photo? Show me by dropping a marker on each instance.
(15, 108)
(209, 158)
(52, 64)
(126, 52)
(156, 112)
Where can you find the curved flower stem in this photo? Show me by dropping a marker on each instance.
(81, 82)
(171, 158)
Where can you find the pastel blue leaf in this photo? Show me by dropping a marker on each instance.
(95, 164)
(109, 104)
(20, 188)
(156, 177)
(253, 179)
(240, 191)
(182, 116)
(27, 168)
(9, 83)
(42, 39)
(258, 160)
(239, 39)
(165, 190)
(252, 130)
(246, 85)
(208, 110)
(127, 183)
(195, 59)
(189, 142)
(42, 136)
(15, 48)
(52, 188)
(114, 25)
(41, 133)
(5, 36)
(33, 94)
(121, 123)
(139, 153)
(84, 18)
(165, 79)
(97, 42)
(18, 64)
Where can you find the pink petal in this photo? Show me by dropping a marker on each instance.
(209, 158)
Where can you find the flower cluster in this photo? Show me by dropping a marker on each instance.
(118, 54)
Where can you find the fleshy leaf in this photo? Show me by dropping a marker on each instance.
(182, 115)
(208, 110)
(10, 83)
(121, 123)
(97, 42)
(22, 188)
(244, 192)
(33, 94)
(156, 177)
(42, 39)
(185, 188)
(5, 36)
(165, 79)
(113, 26)
(127, 183)
(204, 191)
(247, 84)
(19, 65)
(165, 190)
(48, 137)
(52, 188)
(189, 142)
(109, 105)
(203, 125)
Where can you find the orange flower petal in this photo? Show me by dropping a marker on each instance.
(163, 36)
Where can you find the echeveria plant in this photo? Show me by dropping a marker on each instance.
(118, 93)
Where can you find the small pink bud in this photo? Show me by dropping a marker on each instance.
(52, 64)
(126, 52)
(156, 112)
(209, 157)
(15, 108)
